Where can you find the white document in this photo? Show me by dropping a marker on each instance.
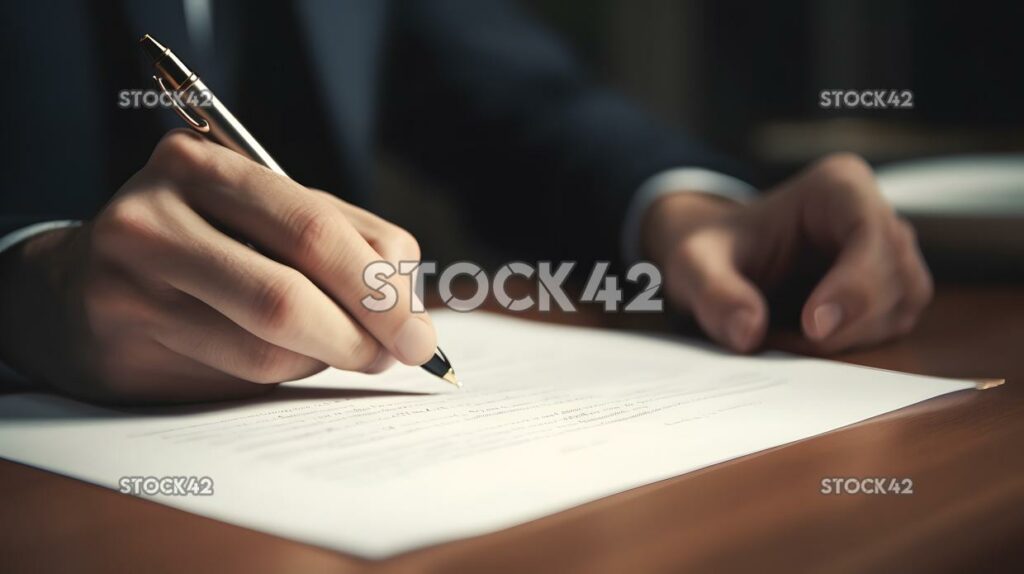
(550, 417)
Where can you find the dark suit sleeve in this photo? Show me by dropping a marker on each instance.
(481, 98)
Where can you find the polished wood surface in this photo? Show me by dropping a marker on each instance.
(964, 453)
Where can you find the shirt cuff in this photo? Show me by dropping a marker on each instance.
(10, 240)
(28, 232)
(680, 180)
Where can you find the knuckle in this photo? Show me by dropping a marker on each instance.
(690, 249)
(845, 165)
(183, 154)
(125, 221)
(177, 146)
(311, 236)
(276, 301)
(845, 178)
(405, 244)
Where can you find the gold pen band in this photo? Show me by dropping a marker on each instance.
(214, 118)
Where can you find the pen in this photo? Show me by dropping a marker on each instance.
(214, 120)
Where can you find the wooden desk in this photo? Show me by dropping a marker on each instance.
(964, 452)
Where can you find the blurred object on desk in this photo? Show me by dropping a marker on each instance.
(791, 144)
(968, 211)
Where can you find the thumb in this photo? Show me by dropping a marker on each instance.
(726, 304)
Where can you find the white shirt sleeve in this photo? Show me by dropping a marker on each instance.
(10, 240)
(17, 236)
(678, 180)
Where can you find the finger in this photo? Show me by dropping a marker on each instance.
(335, 257)
(193, 329)
(852, 304)
(866, 331)
(727, 305)
(188, 327)
(300, 229)
(272, 301)
(916, 278)
(847, 215)
(184, 379)
(387, 239)
(153, 373)
(841, 196)
(391, 242)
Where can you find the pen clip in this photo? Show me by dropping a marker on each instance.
(200, 125)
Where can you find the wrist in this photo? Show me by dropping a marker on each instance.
(33, 287)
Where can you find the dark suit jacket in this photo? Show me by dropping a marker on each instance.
(471, 93)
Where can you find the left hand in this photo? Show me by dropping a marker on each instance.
(717, 257)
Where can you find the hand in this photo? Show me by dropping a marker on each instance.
(160, 297)
(719, 257)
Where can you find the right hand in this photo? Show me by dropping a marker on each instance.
(160, 299)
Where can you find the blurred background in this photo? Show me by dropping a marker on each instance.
(747, 77)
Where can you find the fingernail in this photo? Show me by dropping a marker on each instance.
(740, 328)
(414, 343)
(827, 318)
(382, 363)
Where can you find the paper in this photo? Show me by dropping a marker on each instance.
(550, 417)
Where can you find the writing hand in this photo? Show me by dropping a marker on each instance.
(159, 297)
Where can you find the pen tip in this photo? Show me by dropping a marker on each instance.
(155, 50)
(450, 377)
